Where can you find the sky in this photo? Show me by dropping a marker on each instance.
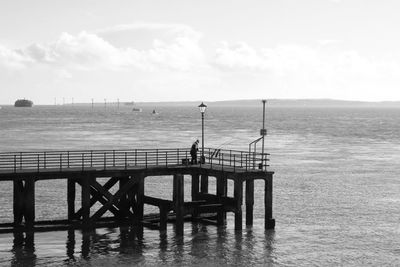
(186, 50)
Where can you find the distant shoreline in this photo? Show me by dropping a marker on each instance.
(317, 103)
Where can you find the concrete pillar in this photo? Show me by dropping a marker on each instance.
(71, 193)
(269, 221)
(179, 202)
(238, 196)
(249, 201)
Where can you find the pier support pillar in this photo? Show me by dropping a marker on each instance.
(71, 193)
(269, 221)
(195, 192)
(249, 201)
(179, 202)
(238, 195)
(18, 204)
(139, 201)
(124, 200)
(85, 200)
(163, 218)
(204, 183)
(29, 200)
(221, 192)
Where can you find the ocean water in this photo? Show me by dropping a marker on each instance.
(336, 186)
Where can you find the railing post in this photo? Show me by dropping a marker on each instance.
(166, 158)
(44, 160)
(126, 160)
(177, 156)
(105, 160)
(38, 162)
(83, 161)
(20, 160)
(135, 157)
(146, 158)
(222, 162)
(234, 163)
(68, 159)
(241, 159)
(246, 162)
(15, 163)
(60, 162)
(91, 158)
(156, 157)
(113, 158)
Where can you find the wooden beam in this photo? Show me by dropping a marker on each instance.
(107, 186)
(269, 221)
(238, 195)
(71, 193)
(204, 183)
(113, 200)
(85, 200)
(249, 201)
(18, 201)
(29, 199)
(221, 192)
(179, 202)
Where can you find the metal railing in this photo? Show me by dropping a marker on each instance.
(14, 162)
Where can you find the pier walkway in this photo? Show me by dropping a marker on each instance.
(126, 170)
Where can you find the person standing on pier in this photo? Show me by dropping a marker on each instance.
(193, 152)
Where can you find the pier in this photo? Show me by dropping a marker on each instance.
(122, 194)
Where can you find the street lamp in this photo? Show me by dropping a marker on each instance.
(202, 108)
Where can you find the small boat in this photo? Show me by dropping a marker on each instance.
(154, 112)
(137, 109)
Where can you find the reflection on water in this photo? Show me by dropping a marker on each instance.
(23, 249)
(201, 244)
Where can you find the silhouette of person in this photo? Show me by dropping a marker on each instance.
(193, 152)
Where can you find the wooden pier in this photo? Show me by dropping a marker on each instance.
(125, 172)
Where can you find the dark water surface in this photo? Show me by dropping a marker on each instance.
(336, 186)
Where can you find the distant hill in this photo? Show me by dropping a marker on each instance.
(281, 103)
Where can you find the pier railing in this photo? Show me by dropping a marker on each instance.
(106, 159)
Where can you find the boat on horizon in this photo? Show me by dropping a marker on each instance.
(137, 109)
(23, 103)
(154, 112)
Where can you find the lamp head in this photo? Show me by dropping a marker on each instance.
(202, 107)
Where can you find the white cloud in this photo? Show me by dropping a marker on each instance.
(173, 30)
(12, 59)
(89, 51)
(305, 71)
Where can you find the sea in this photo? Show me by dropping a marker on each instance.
(336, 198)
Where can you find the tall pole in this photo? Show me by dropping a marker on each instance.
(202, 137)
(263, 132)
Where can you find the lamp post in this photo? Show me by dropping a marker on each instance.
(202, 108)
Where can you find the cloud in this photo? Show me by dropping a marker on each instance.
(159, 29)
(284, 60)
(89, 51)
(12, 59)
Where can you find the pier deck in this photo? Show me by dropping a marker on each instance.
(127, 170)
